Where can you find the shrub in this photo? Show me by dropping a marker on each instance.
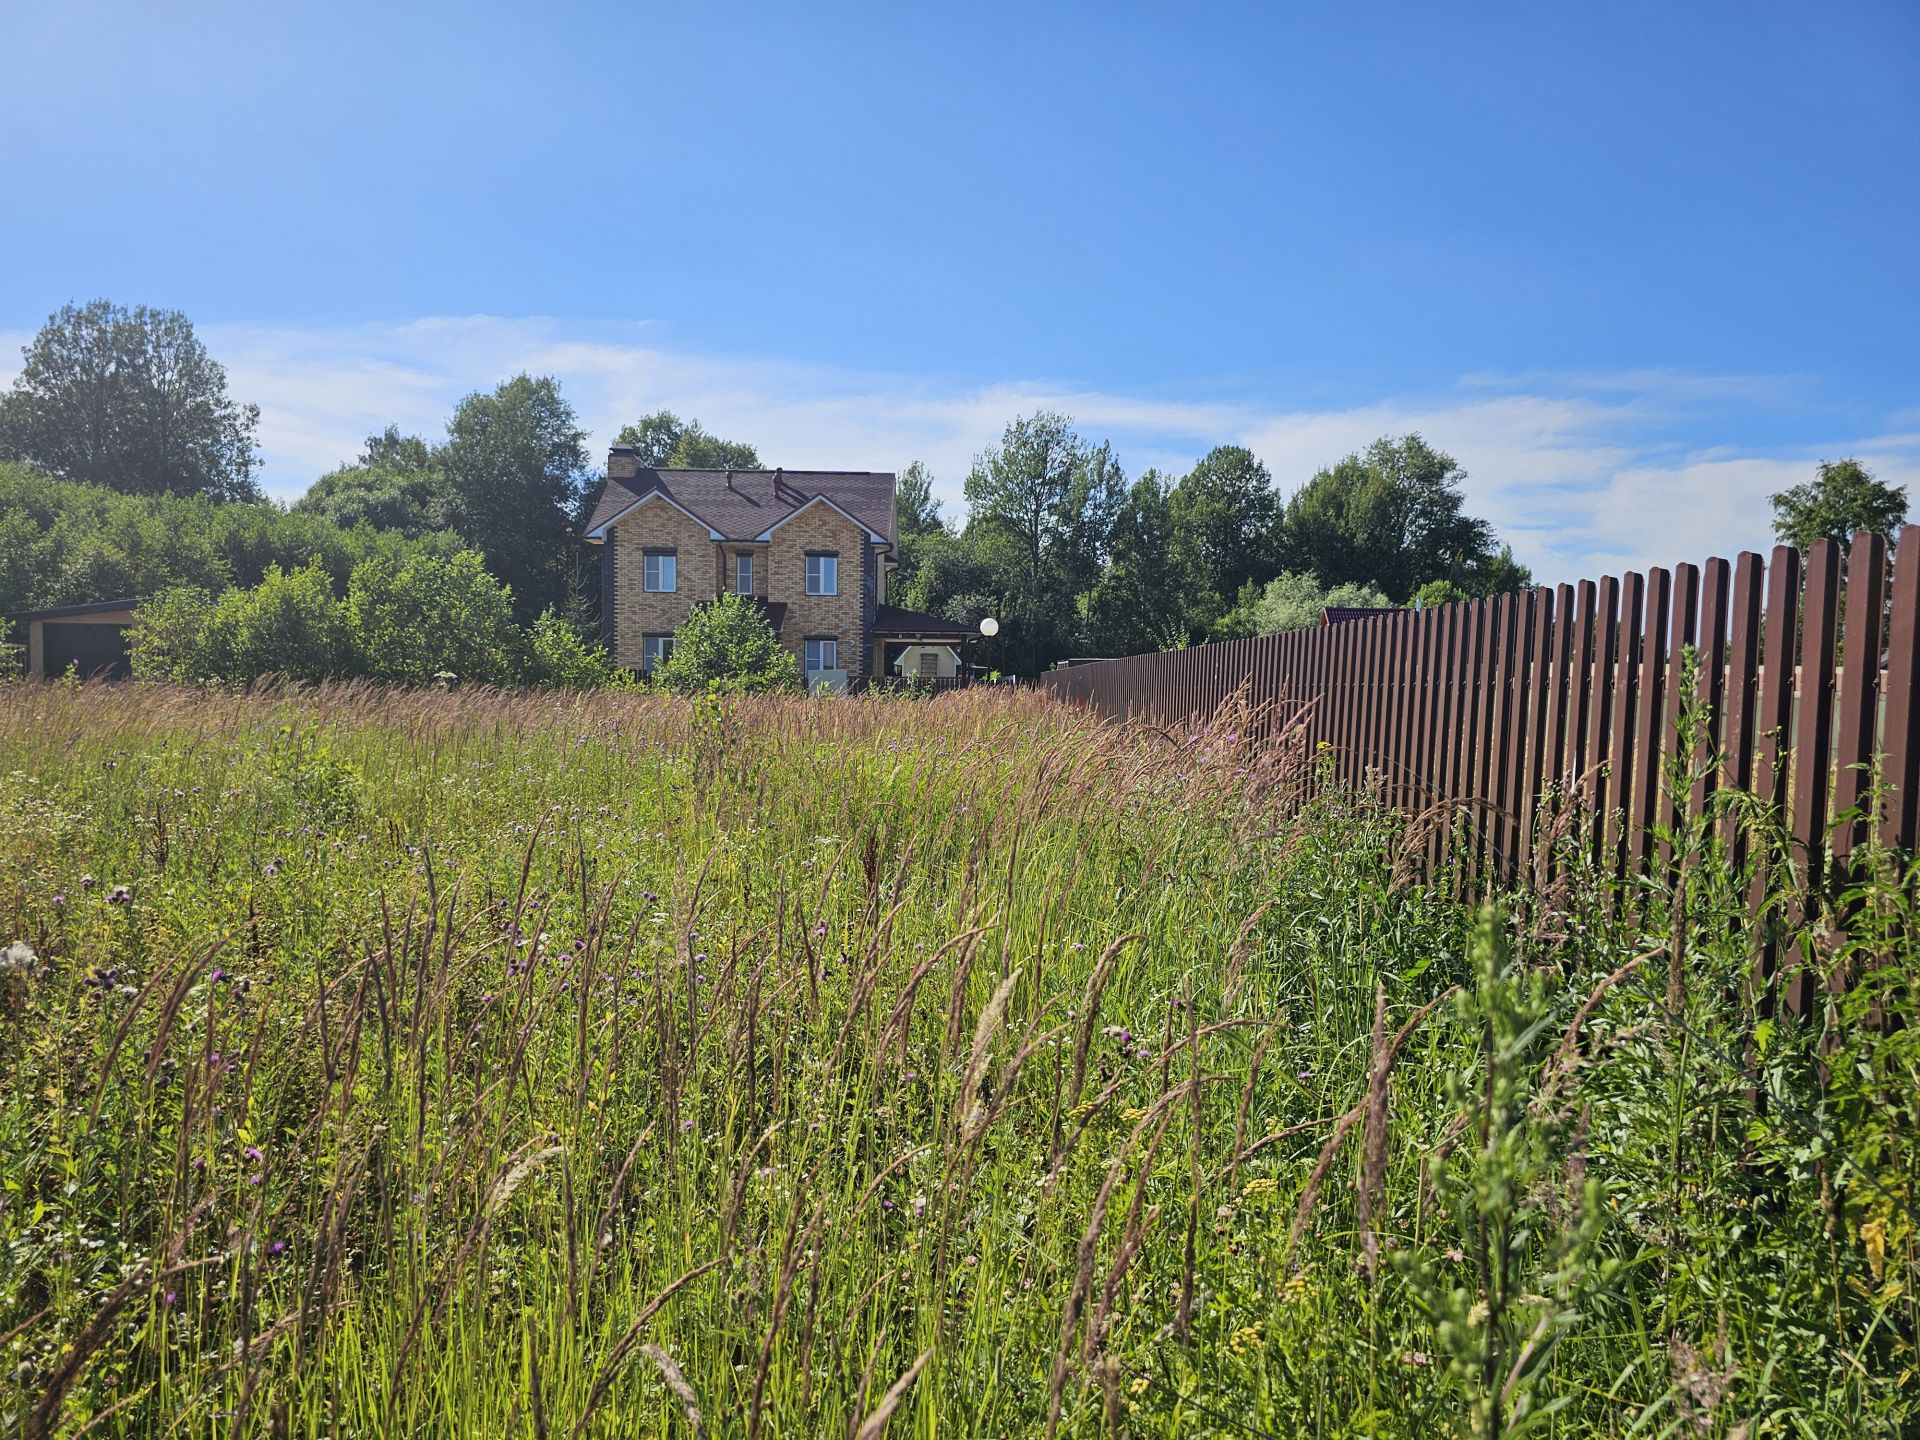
(560, 658)
(417, 616)
(168, 637)
(1438, 592)
(727, 644)
(1293, 600)
(289, 624)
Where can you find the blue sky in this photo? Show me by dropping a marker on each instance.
(1634, 265)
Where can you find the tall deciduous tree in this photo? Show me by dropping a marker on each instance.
(666, 442)
(916, 522)
(515, 464)
(1047, 500)
(130, 399)
(1139, 602)
(1226, 522)
(1842, 499)
(1393, 517)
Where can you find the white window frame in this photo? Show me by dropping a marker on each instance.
(822, 654)
(743, 562)
(654, 649)
(823, 574)
(657, 567)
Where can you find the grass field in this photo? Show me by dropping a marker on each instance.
(482, 1065)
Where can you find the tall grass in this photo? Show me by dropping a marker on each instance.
(517, 1065)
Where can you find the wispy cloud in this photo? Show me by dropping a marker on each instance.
(1583, 472)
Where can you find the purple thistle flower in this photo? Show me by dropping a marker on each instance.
(278, 1247)
(59, 900)
(120, 895)
(254, 1153)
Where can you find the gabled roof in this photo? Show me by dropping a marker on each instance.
(891, 621)
(744, 505)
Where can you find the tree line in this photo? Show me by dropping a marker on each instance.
(137, 472)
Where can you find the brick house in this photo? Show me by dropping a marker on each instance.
(814, 547)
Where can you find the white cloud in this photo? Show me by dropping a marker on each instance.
(1584, 473)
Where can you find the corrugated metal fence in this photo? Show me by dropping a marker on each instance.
(1491, 704)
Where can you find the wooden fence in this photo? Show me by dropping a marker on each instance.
(1491, 704)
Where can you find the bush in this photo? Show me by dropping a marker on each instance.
(168, 637)
(1293, 600)
(289, 624)
(65, 543)
(417, 617)
(558, 657)
(1438, 592)
(727, 644)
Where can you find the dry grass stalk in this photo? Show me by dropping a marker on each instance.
(623, 1347)
(1383, 1067)
(875, 1424)
(1090, 1013)
(969, 1115)
(676, 1381)
(1373, 1165)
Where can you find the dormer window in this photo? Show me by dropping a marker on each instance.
(743, 573)
(823, 572)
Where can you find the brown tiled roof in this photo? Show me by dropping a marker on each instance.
(1343, 614)
(744, 504)
(893, 620)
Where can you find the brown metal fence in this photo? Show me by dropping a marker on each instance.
(1806, 677)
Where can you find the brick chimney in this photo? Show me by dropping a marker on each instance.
(623, 462)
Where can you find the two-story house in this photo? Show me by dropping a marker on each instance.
(812, 546)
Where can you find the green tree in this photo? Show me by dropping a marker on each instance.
(1392, 517)
(666, 442)
(917, 524)
(1227, 525)
(132, 400)
(1043, 503)
(418, 618)
(726, 644)
(1140, 601)
(1293, 600)
(1438, 592)
(1840, 501)
(412, 502)
(390, 450)
(515, 464)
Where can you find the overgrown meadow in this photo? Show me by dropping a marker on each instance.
(456, 1063)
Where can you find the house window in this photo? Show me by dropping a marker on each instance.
(654, 649)
(823, 573)
(660, 571)
(822, 655)
(743, 573)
